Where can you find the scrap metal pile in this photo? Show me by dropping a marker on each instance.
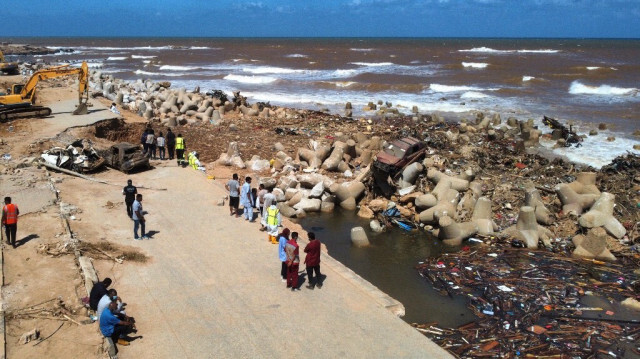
(78, 156)
(531, 303)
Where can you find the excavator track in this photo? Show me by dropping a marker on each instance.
(7, 114)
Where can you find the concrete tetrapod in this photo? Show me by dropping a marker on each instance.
(527, 228)
(585, 183)
(409, 175)
(446, 207)
(452, 233)
(445, 182)
(359, 237)
(572, 202)
(532, 199)
(601, 215)
(482, 216)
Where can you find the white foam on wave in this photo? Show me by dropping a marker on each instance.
(361, 50)
(578, 88)
(527, 78)
(490, 50)
(591, 68)
(473, 95)
(178, 68)
(198, 48)
(251, 79)
(107, 48)
(91, 65)
(270, 70)
(116, 58)
(372, 64)
(344, 83)
(146, 61)
(475, 65)
(143, 56)
(448, 88)
(296, 55)
(148, 73)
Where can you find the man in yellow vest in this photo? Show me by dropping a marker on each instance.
(10, 214)
(273, 220)
(180, 147)
(194, 162)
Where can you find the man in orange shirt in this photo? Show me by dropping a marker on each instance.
(10, 214)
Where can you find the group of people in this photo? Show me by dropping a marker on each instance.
(133, 201)
(110, 313)
(289, 255)
(155, 147)
(265, 202)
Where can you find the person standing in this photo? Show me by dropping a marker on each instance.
(283, 238)
(143, 141)
(171, 143)
(293, 262)
(312, 261)
(233, 186)
(246, 200)
(10, 213)
(180, 147)
(138, 219)
(260, 201)
(160, 143)
(268, 199)
(272, 222)
(129, 192)
(151, 144)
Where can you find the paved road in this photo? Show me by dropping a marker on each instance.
(212, 289)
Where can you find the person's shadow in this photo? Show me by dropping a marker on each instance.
(26, 239)
(150, 234)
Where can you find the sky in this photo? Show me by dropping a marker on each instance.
(323, 18)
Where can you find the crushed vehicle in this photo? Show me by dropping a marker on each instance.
(78, 157)
(399, 154)
(393, 158)
(125, 157)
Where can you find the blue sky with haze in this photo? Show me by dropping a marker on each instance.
(332, 18)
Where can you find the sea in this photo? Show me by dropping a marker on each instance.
(582, 82)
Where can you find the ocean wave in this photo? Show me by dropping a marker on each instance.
(296, 55)
(108, 48)
(361, 50)
(490, 50)
(345, 73)
(475, 65)
(372, 64)
(91, 65)
(270, 70)
(116, 58)
(448, 88)
(473, 95)
(577, 88)
(527, 78)
(251, 79)
(198, 48)
(143, 56)
(178, 68)
(148, 73)
(344, 83)
(591, 68)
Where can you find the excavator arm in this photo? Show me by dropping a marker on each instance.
(22, 97)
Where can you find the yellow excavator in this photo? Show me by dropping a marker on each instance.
(9, 68)
(19, 102)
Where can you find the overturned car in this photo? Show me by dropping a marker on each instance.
(125, 157)
(78, 157)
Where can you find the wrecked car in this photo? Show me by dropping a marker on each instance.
(78, 157)
(125, 157)
(398, 154)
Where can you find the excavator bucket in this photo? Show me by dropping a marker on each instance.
(81, 109)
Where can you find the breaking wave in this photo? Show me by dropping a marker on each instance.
(116, 58)
(372, 64)
(527, 78)
(361, 50)
(178, 68)
(270, 70)
(143, 56)
(447, 88)
(251, 79)
(147, 73)
(577, 88)
(473, 94)
(296, 55)
(495, 51)
(475, 65)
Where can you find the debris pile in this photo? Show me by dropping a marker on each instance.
(532, 302)
(78, 157)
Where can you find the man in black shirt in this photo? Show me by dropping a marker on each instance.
(99, 289)
(129, 192)
(171, 143)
